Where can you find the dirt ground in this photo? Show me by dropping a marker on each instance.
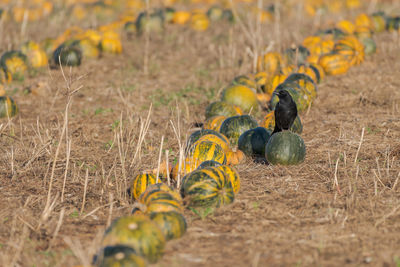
(283, 216)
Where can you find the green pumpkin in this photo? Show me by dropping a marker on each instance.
(241, 96)
(215, 13)
(234, 127)
(207, 187)
(253, 141)
(307, 86)
(8, 107)
(154, 22)
(297, 55)
(138, 232)
(392, 23)
(172, 224)
(118, 256)
(285, 148)
(246, 81)
(369, 46)
(67, 56)
(220, 108)
(379, 21)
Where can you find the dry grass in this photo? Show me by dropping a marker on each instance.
(66, 161)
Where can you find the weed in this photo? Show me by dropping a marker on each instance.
(203, 213)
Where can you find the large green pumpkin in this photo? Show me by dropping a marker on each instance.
(253, 141)
(233, 127)
(138, 232)
(241, 96)
(369, 46)
(207, 187)
(220, 108)
(172, 224)
(153, 22)
(285, 148)
(8, 107)
(118, 256)
(67, 55)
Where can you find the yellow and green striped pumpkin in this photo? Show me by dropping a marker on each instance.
(158, 200)
(223, 142)
(214, 123)
(140, 183)
(8, 107)
(334, 63)
(208, 187)
(117, 256)
(233, 175)
(138, 232)
(207, 150)
(172, 224)
(220, 108)
(16, 63)
(351, 48)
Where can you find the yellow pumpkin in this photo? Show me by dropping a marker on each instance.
(334, 63)
(351, 48)
(187, 166)
(36, 56)
(346, 26)
(181, 17)
(234, 157)
(365, 21)
(224, 143)
(199, 22)
(269, 62)
(353, 4)
(214, 123)
(111, 43)
(273, 82)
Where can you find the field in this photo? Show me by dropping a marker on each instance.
(69, 155)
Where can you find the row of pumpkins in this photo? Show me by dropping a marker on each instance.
(229, 132)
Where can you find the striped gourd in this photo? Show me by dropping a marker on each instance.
(5, 76)
(223, 142)
(138, 232)
(199, 133)
(270, 62)
(207, 150)
(172, 224)
(233, 127)
(233, 176)
(214, 123)
(16, 63)
(8, 107)
(306, 83)
(208, 187)
(140, 183)
(351, 48)
(334, 63)
(186, 166)
(311, 71)
(220, 108)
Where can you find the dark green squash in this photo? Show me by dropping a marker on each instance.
(153, 22)
(297, 55)
(138, 232)
(285, 148)
(307, 86)
(234, 126)
(294, 91)
(172, 224)
(67, 56)
(253, 142)
(369, 46)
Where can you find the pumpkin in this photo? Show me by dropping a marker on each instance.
(67, 56)
(307, 85)
(138, 232)
(331, 34)
(369, 46)
(379, 21)
(36, 56)
(365, 21)
(215, 13)
(165, 188)
(296, 55)
(241, 96)
(172, 224)
(169, 14)
(187, 166)
(273, 82)
(301, 99)
(181, 17)
(111, 43)
(88, 48)
(214, 123)
(157, 200)
(393, 23)
(153, 22)
(261, 79)
(118, 255)
(223, 142)
(285, 148)
(199, 133)
(353, 4)
(244, 80)
(311, 71)
(8, 107)
(269, 62)
(209, 163)
(208, 187)
(269, 123)
(48, 46)
(234, 157)
(140, 183)
(334, 63)
(207, 150)
(319, 71)
(15, 62)
(234, 126)
(130, 28)
(346, 26)
(233, 176)
(252, 142)
(220, 108)
(199, 22)
(351, 48)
